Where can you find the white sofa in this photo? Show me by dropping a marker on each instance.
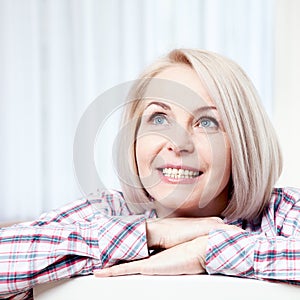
(138, 287)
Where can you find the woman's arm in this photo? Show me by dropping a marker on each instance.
(186, 243)
(224, 251)
(255, 256)
(71, 241)
(273, 253)
(83, 236)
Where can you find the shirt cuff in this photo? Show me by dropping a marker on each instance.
(122, 239)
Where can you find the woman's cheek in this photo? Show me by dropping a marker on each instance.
(220, 159)
(147, 147)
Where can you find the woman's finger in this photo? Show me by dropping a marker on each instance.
(130, 268)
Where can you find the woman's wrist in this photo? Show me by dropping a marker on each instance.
(151, 233)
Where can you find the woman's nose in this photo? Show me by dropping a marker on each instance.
(180, 142)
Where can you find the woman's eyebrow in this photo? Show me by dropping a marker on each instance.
(204, 108)
(163, 105)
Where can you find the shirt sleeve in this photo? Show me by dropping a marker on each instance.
(74, 240)
(254, 256)
(270, 253)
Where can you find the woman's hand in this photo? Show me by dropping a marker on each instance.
(169, 232)
(185, 258)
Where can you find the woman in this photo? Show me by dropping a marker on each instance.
(237, 169)
(198, 184)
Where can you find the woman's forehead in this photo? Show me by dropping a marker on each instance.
(186, 76)
(177, 85)
(184, 99)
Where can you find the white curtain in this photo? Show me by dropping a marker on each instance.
(57, 56)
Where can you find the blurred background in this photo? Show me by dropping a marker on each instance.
(57, 56)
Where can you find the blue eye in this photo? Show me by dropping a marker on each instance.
(158, 119)
(208, 123)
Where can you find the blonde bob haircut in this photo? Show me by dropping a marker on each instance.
(255, 152)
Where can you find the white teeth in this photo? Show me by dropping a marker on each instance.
(179, 173)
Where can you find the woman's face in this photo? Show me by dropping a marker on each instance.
(182, 151)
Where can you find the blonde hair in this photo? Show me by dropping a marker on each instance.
(255, 152)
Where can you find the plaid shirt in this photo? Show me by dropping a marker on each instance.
(101, 231)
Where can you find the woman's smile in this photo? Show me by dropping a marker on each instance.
(179, 174)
